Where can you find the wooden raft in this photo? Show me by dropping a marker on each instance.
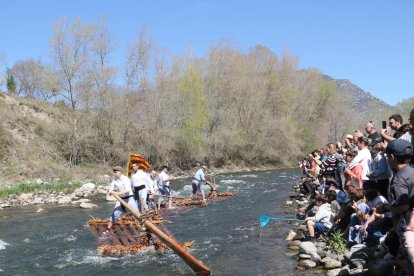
(131, 234)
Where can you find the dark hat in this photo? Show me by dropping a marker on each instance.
(397, 147)
(330, 183)
(117, 168)
(375, 141)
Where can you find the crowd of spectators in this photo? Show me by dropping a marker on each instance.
(364, 186)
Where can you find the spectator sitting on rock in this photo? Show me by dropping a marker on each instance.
(343, 218)
(323, 219)
(331, 195)
(341, 196)
(357, 232)
(377, 224)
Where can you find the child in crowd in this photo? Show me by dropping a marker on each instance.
(357, 233)
(323, 219)
(343, 218)
(356, 171)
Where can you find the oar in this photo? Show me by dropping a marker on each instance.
(264, 219)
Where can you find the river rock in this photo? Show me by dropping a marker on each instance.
(293, 247)
(64, 200)
(321, 253)
(303, 228)
(357, 251)
(290, 235)
(38, 200)
(296, 242)
(82, 200)
(40, 210)
(87, 205)
(344, 271)
(85, 190)
(321, 245)
(307, 247)
(25, 197)
(304, 256)
(52, 199)
(299, 236)
(315, 257)
(332, 264)
(307, 264)
(357, 263)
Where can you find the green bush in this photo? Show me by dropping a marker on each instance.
(337, 243)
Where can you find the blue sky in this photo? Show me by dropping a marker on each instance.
(368, 42)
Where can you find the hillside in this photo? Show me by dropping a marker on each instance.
(358, 99)
(31, 135)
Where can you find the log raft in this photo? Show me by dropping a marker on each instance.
(195, 264)
(132, 234)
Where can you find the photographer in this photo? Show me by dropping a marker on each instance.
(395, 122)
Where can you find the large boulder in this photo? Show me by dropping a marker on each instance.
(64, 200)
(307, 247)
(85, 190)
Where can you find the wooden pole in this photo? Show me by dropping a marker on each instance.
(195, 264)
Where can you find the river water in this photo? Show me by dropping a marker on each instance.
(228, 238)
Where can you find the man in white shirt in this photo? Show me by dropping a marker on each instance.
(152, 189)
(198, 180)
(164, 186)
(121, 186)
(140, 181)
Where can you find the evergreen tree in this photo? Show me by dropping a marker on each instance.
(11, 83)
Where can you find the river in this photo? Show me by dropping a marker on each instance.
(228, 238)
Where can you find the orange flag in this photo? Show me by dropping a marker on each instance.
(134, 158)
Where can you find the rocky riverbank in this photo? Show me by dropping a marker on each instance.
(100, 186)
(322, 256)
(80, 196)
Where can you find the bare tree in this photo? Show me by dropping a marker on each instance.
(35, 80)
(70, 51)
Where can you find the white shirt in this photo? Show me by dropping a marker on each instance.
(163, 179)
(153, 185)
(140, 178)
(324, 215)
(121, 184)
(364, 158)
(408, 136)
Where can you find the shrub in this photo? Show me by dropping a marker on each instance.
(337, 243)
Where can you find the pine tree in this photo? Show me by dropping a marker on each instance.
(11, 83)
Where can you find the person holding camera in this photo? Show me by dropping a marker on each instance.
(396, 123)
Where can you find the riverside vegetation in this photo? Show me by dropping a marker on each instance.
(77, 116)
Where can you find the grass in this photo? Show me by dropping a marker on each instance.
(337, 243)
(23, 188)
